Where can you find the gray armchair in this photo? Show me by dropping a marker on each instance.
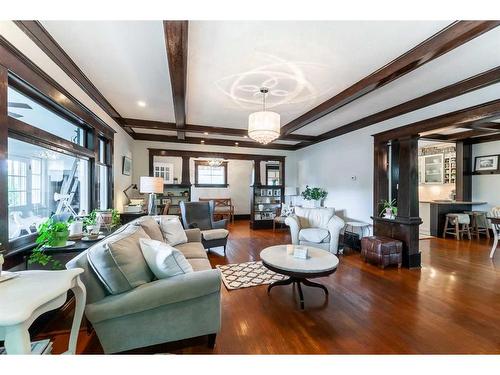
(201, 215)
(317, 227)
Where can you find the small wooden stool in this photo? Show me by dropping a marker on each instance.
(452, 225)
(479, 223)
(382, 251)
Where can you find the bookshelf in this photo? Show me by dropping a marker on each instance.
(265, 205)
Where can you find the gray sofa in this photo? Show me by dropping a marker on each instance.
(159, 311)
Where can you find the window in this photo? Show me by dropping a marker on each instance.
(25, 109)
(42, 182)
(272, 174)
(210, 176)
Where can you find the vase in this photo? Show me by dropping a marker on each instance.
(312, 203)
(60, 238)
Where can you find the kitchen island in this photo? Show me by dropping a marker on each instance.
(435, 216)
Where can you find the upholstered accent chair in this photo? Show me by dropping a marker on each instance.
(317, 227)
(201, 215)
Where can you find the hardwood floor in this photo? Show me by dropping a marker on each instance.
(451, 305)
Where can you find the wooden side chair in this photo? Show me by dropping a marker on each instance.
(223, 208)
(452, 225)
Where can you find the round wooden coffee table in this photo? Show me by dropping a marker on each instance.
(319, 263)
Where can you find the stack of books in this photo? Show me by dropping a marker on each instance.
(37, 347)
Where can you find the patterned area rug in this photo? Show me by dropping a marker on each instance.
(244, 275)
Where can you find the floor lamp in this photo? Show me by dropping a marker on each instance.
(151, 186)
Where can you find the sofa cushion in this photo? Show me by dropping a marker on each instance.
(316, 235)
(192, 250)
(118, 261)
(164, 260)
(314, 217)
(172, 230)
(151, 227)
(200, 264)
(214, 234)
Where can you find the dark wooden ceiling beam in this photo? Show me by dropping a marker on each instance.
(461, 118)
(487, 126)
(176, 42)
(444, 41)
(146, 124)
(467, 134)
(42, 38)
(210, 141)
(211, 154)
(476, 82)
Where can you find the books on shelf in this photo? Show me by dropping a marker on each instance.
(39, 347)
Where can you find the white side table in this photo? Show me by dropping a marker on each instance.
(32, 293)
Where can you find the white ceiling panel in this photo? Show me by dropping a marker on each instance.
(125, 60)
(302, 62)
(476, 56)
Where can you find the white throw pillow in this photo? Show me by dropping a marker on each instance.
(172, 230)
(164, 260)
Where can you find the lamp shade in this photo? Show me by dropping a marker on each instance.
(151, 185)
(291, 191)
(264, 127)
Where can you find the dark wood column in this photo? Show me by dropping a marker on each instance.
(185, 179)
(408, 178)
(405, 226)
(256, 172)
(464, 171)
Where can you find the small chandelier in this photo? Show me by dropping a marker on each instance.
(264, 127)
(215, 162)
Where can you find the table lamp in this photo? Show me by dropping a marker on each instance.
(291, 191)
(151, 186)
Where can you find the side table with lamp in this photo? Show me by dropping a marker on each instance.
(152, 186)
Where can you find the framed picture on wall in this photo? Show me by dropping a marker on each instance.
(126, 166)
(486, 163)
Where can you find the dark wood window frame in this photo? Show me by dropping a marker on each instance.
(197, 164)
(18, 71)
(272, 167)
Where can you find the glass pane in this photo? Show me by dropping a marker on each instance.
(102, 187)
(27, 110)
(61, 185)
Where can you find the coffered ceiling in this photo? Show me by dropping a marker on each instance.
(306, 65)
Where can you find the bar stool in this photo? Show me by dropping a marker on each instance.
(479, 223)
(452, 225)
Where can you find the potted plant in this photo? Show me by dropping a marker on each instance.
(389, 209)
(314, 196)
(50, 233)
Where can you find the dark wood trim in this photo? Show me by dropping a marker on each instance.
(4, 188)
(476, 82)
(242, 217)
(22, 67)
(256, 173)
(444, 41)
(462, 117)
(463, 184)
(210, 141)
(42, 38)
(197, 163)
(210, 154)
(237, 132)
(45, 139)
(176, 42)
(185, 179)
(483, 139)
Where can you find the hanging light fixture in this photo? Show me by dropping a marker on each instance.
(215, 162)
(264, 126)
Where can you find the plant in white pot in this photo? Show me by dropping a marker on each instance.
(313, 196)
(389, 209)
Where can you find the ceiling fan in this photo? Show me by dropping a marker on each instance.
(17, 105)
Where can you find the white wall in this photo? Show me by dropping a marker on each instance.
(486, 188)
(122, 141)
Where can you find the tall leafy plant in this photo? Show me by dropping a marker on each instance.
(314, 194)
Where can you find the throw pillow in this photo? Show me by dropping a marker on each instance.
(172, 230)
(151, 227)
(164, 260)
(118, 261)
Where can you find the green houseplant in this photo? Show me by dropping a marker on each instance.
(389, 209)
(314, 194)
(50, 233)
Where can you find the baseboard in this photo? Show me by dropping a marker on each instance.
(242, 217)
